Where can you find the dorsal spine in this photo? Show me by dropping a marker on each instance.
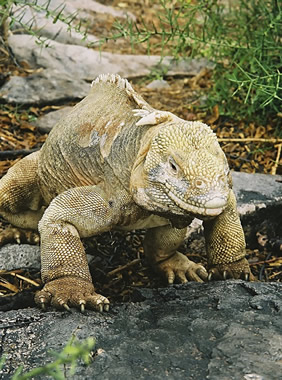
(115, 79)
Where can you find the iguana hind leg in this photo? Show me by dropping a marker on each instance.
(160, 247)
(20, 200)
(225, 245)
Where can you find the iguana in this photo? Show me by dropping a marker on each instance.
(115, 163)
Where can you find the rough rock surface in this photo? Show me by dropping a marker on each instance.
(216, 331)
(14, 256)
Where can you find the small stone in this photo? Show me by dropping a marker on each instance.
(158, 84)
(252, 376)
(46, 122)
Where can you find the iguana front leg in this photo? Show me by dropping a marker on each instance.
(225, 245)
(78, 212)
(160, 248)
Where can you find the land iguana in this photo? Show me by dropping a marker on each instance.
(115, 163)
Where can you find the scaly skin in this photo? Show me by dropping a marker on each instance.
(116, 163)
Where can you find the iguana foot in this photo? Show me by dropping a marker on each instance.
(18, 235)
(179, 267)
(66, 292)
(236, 270)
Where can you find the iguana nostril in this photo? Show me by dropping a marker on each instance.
(200, 184)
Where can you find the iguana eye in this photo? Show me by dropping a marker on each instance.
(173, 165)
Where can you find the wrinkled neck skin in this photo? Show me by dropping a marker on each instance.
(200, 189)
(139, 184)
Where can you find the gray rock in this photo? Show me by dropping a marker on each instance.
(34, 17)
(46, 122)
(85, 8)
(192, 331)
(253, 192)
(45, 27)
(67, 68)
(15, 256)
(22, 256)
(256, 190)
(45, 87)
(80, 62)
(158, 84)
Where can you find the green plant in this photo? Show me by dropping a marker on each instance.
(71, 353)
(243, 40)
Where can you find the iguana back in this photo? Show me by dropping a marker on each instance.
(96, 142)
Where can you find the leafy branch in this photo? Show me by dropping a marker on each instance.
(71, 353)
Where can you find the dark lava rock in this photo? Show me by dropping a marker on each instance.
(219, 331)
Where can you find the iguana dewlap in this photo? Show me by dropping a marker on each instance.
(114, 162)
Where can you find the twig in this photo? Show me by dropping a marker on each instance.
(24, 278)
(16, 153)
(251, 139)
(123, 267)
(275, 166)
(264, 262)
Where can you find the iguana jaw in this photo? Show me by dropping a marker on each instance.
(213, 207)
(162, 199)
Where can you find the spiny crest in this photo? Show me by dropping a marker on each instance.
(123, 84)
(114, 79)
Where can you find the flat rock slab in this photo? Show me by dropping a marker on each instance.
(36, 20)
(82, 63)
(45, 28)
(217, 331)
(68, 70)
(256, 190)
(45, 87)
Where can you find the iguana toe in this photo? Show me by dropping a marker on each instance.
(18, 235)
(238, 269)
(179, 267)
(67, 292)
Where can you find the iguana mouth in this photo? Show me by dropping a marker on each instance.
(213, 207)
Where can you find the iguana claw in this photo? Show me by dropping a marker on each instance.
(67, 292)
(238, 269)
(82, 306)
(65, 306)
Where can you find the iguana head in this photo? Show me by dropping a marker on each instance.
(182, 171)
